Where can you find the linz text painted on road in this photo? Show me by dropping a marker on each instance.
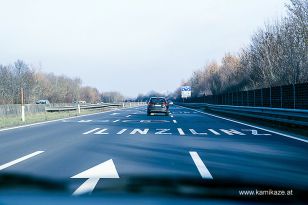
(174, 131)
(127, 121)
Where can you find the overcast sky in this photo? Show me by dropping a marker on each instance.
(129, 46)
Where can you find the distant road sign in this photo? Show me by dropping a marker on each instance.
(186, 91)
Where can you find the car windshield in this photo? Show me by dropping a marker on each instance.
(153, 102)
(157, 100)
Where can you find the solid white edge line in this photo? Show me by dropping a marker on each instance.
(204, 172)
(4, 166)
(45, 122)
(253, 126)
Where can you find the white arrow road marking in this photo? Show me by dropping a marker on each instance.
(103, 170)
(204, 172)
(20, 160)
(87, 187)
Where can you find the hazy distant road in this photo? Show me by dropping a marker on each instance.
(186, 143)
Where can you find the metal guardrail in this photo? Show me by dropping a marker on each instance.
(89, 106)
(75, 107)
(289, 116)
(9, 114)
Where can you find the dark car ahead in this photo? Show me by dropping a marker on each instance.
(46, 102)
(158, 105)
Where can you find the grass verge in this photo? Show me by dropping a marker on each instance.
(11, 121)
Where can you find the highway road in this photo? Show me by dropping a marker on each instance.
(126, 142)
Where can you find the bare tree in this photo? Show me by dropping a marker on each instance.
(277, 55)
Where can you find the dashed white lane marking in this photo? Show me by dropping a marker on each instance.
(181, 131)
(88, 132)
(241, 123)
(115, 113)
(20, 160)
(174, 121)
(171, 115)
(102, 120)
(204, 172)
(128, 115)
(84, 120)
(116, 121)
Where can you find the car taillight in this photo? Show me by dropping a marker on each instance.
(164, 104)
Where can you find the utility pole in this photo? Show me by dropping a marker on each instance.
(22, 104)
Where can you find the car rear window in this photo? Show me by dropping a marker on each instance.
(157, 100)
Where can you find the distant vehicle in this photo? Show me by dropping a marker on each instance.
(80, 102)
(46, 102)
(158, 105)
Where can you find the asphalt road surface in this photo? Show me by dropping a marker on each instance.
(126, 142)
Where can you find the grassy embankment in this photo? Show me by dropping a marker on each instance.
(10, 121)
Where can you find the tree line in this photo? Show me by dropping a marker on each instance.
(146, 97)
(37, 85)
(277, 55)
